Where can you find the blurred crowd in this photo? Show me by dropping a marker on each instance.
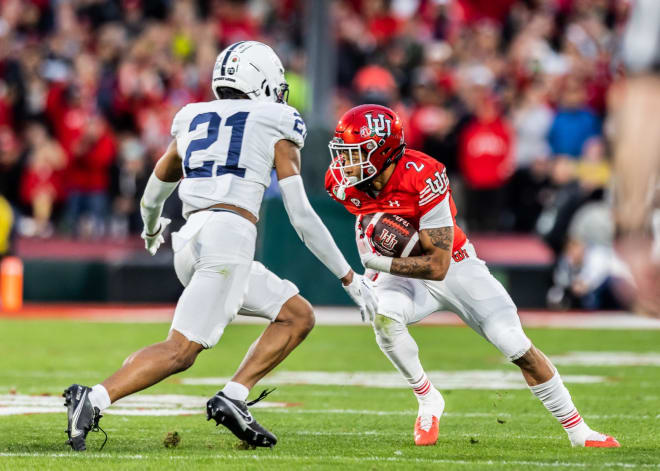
(511, 95)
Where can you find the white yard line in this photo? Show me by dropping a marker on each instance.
(138, 405)
(179, 404)
(334, 315)
(607, 359)
(376, 433)
(449, 414)
(239, 456)
(468, 379)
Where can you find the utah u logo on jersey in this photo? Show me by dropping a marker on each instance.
(439, 184)
(435, 187)
(381, 126)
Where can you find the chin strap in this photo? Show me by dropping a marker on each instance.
(367, 185)
(394, 157)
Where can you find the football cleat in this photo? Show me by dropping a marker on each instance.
(426, 430)
(599, 440)
(82, 417)
(235, 415)
(427, 425)
(607, 442)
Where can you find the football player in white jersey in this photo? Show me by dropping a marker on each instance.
(221, 159)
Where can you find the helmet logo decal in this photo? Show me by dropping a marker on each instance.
(365, 131)
(233, 67)
(227, 54)
(356, 202)
(381, 126)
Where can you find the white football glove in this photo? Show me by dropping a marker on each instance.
(364, 244)
(152, 241)
(361, 291)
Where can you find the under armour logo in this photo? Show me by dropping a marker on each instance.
(380, 127)
(394, 203)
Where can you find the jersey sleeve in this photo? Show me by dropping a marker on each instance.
(432, 187)
(292, 127)
(438, 216)
(177, 122)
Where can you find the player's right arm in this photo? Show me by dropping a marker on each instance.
(312, 231)
(433, 265)
(162, 182)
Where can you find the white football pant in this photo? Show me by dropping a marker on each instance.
(469, 290)
(213, 259)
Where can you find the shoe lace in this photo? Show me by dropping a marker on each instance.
(425, 422)
(263, 394)
(97, 428)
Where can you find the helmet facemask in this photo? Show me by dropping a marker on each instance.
(282, 93)
(353, 162)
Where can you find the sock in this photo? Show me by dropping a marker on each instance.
(431, 402)
(556, 398)
(422, 387)
(99, 397)
(236, 391)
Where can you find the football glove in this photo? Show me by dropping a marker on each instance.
(362, 293)
(369, 256)
(152, 241)
(363, 241)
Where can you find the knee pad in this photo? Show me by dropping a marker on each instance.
(506, 334)
(384, 328)
(391, 333)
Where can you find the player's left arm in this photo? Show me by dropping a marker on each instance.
(162, 183)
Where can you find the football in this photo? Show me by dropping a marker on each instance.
(393, 236)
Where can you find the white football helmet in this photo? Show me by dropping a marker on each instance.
(254, 69)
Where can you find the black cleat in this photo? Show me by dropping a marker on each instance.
(236, 417)
(82, 417)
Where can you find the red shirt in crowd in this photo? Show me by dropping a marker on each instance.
(87, 140)
(486, 153)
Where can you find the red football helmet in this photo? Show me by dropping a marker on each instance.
(368, 138)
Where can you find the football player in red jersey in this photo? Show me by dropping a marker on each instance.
(372, 171)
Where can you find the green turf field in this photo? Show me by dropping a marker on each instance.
(333, 426)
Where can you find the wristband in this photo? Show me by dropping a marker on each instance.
(380, 264)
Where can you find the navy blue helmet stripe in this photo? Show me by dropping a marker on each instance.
(224, 61)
